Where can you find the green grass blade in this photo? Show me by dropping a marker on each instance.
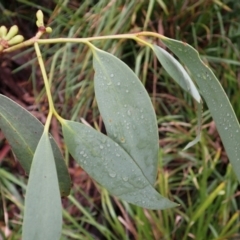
(106, 162)
(199, 126)
(1, 206)
(23, 132)
(215, 97)
(127, 111)
(232, 223)
(43, 209)
(205, 204)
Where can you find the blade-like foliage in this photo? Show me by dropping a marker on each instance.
(127, 111)
(43, 209)
(23, 132)
(215, 97)
(108, 163)
(179, 74)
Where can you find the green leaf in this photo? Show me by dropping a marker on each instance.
(23, 132)
(106, 162)
(127, 111)
(43, 208)
(176, 71)
(215, 97)
(179, 74)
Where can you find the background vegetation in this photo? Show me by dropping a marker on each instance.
(200, 179)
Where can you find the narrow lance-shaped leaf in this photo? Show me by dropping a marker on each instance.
(23, 132)
(179, 74)
(106, 162)
(43, 209)
(215, 97)
(127, 111)
(176, 71)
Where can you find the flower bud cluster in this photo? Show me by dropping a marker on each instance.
(9, 38)
(40, 22)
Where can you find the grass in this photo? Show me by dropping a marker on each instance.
(200, 179)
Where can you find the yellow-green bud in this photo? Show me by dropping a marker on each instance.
(3, 31)
(12, 32)
(1, 48)
(15, 40)
(48, 29)
(38, 24)
(39, 15)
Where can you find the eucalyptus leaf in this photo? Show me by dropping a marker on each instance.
(127, 111)
(23, 131)
(179, 74)
(43, 208)
(215, 97)
(176, 71)
(107, 162)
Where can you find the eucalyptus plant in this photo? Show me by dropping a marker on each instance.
(124, 161)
